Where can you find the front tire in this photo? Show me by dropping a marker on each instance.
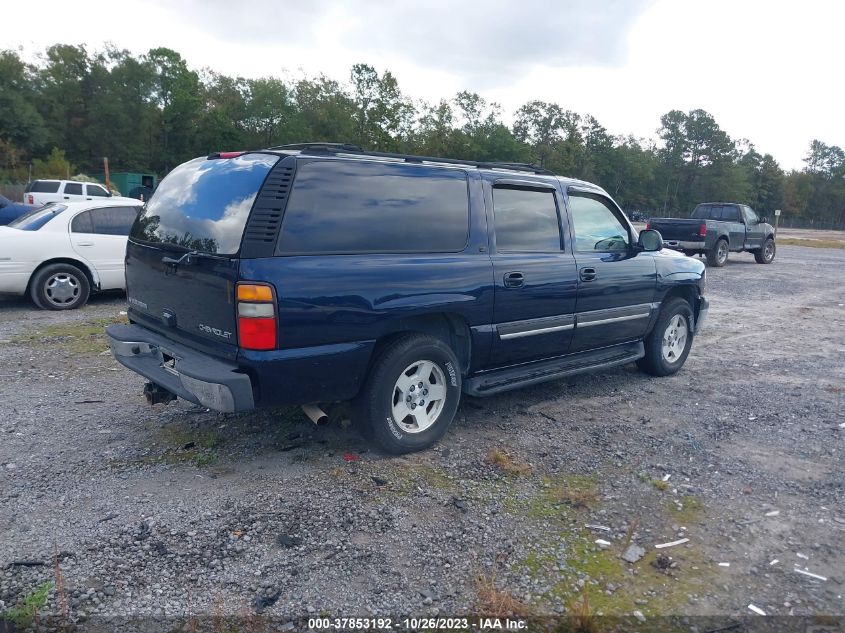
(718, 255)
(411, 395)
(60, 287)
(766, 254)
(668, 344)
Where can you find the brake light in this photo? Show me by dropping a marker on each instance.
(702, 230)
(31, 198)
(257, 326)
(648, 225)
(225, 155)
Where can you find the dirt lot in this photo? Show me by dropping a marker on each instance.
(172, 512)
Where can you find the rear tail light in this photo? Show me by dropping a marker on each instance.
(257, 326)
(648, 225)
(702, 230)
(30, 198)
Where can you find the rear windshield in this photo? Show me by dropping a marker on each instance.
(34, 220)
(203, 205)
(716, 212)
(43, 186)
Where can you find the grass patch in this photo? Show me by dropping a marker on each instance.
(799, 241)
(506, 463)
(590, 570)
(25, 613)
(687, 509)
(659, 484)
(84, 338)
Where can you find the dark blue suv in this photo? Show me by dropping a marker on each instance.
(320, 273)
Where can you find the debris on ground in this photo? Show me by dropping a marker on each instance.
(773, 513)
(663, 562)
(756, 610)
(602, 543)
(810, 574)
(680, 541)
(633, 553)
(351, 457)
(379, 481)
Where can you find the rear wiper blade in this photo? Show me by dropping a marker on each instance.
(186, 258)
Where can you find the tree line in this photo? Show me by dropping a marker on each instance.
(150, 112)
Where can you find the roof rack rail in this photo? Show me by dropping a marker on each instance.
(345, 148)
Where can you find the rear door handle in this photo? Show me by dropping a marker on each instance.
(588, 274)
(85, 243)
(514, 280)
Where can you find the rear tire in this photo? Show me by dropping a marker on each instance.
(718, 255)
(766, 254)
(389, 411)
(668, 344)
(60, 287)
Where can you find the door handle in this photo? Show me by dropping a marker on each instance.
(67, 197)
(588, 274)
(85, 243)
(514, 280)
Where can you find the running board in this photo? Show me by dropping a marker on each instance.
(509, 378)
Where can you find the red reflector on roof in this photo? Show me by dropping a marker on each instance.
(230, 154)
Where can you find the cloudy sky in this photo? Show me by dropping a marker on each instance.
(769, 71)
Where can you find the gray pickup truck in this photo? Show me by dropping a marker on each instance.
(716, 228)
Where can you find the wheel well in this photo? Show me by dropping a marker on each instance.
(63, 260)
(725, 238)
(452, 329)
(688, 293)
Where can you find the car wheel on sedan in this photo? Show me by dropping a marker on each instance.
(60, 287)
(411, 395)
(718, 255)
(669, 343)
(766, 255)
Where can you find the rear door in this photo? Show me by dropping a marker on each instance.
(536, 281)
(72, 191)
(182, 258)
(616, 283)
(99, 236)
(732, 218)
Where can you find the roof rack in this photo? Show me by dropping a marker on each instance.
(344, 148)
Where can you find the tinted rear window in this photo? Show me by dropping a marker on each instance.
(73, 189)
(717, 212)
(44, 186)
(34, 220)
(204, 204)
(358, 207)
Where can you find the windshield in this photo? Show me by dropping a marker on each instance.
(34, 220)
(203, 205)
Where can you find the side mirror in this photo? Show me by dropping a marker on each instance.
(763, 220)
(650, 240)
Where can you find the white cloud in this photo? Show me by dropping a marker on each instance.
(767, 71)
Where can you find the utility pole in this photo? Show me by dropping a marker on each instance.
(777, 217)
(106, 172)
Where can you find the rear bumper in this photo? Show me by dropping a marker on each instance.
(680, 245)
(189, 374)
(703, 309)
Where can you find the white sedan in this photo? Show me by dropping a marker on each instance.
(62, 252)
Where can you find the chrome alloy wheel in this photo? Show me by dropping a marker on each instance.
(722, 252)
(418, 396)
(62, 289)
(769, 251)
(675, 339)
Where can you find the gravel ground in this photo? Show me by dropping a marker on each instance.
(177, 512)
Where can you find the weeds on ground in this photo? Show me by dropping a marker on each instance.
(659, 484)
(25, 614)
(582, 619)
(504, 462)
(798, 241)
(496, 603)
(576, 492)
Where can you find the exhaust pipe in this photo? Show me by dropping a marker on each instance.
(156, 394)
(315, 414)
